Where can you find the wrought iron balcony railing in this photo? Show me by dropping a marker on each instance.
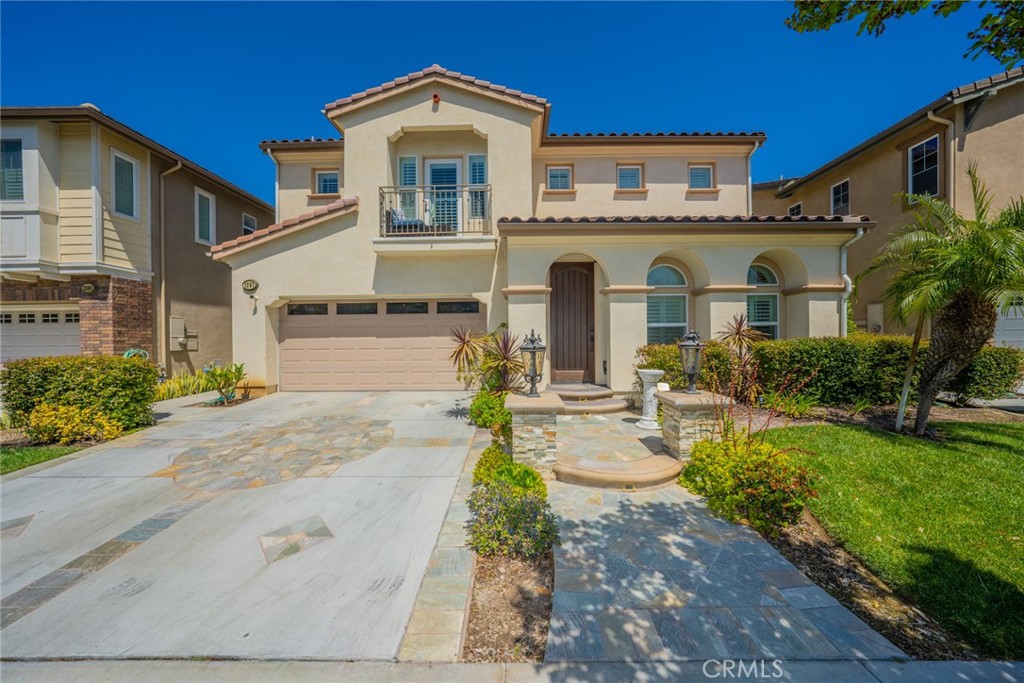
(435, 210)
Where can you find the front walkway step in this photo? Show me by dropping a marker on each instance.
(598, 406)
(631, 475)
(580, 392)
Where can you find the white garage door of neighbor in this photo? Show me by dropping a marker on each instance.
(1010, 326)
(32, 332)
(370, 345)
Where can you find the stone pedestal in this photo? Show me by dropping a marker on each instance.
(687, 418)
(533, 430)
(649, 419)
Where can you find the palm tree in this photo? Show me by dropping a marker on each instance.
(956, 272)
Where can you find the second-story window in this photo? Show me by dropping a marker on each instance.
(206, 217)
(923, 167)
(248, 224)
(12, 185)
(408, 176)
(841, 198)
(702, 177)
(327, 182)
(125, 173)
(477, 176)
(559, 178)
(796, 209)
(629, 177)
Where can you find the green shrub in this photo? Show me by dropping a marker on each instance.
(184, 385)
(995, 372)
(225, 379)
(488, 410)
(490, 460)
(122, 389)
(714, 367)
(744, 478)
(70, 424)
(522, 477)
(793, 405)
(508, 521)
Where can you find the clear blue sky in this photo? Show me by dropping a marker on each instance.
(211, 80)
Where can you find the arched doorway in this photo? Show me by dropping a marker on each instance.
(572, 322)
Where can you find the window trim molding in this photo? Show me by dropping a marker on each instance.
(547, 178)
(213, 216)
(136, 195)
(255, 223)
(641, 167)
(315, 172)
(832, 198)
(941, 164)
(789, 209)
(21, 140)
(714, 177)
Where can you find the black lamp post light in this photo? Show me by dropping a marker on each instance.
(690, 351)
(532, 352)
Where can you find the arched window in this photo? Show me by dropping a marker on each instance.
(666, 305)
(763, 306)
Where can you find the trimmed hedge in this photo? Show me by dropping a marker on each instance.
(506, 520)
(122, 389)
(842, 372)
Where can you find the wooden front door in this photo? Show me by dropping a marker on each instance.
(572, 322)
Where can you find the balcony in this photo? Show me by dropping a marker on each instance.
(435, 211)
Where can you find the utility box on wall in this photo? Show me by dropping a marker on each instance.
(182, 338)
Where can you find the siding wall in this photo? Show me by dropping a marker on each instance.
(75, 194)
(126, 241)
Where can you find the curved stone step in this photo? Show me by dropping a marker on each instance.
(578, 392)
(596, 407)
(632, 475)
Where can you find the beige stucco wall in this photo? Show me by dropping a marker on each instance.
(126, 241)
(296, 181)
(995, 142)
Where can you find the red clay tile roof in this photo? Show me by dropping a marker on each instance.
(773, 184)
(439, 71)
(296, 143)
(986, 83)
(341, 206)
(655, 134)
(688, 219)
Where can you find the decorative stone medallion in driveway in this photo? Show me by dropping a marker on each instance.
(654, 576)
(172, 542)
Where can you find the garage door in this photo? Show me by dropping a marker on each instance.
(31, 332)
(1010, 326)
(336, 345)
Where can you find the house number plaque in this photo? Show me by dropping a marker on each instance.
(250, 286)
(88, 288)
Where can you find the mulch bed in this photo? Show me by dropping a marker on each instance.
(511, 609)
(815, 553)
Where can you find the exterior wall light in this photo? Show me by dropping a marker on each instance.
(690, 352)
(532, 352)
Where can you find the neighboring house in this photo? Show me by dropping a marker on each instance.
(448, 203)
(928, 152)
(105, 240)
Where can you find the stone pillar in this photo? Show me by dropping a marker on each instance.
(650, 378)
(533, 430)
(686, 418)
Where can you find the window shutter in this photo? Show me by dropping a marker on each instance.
(762, 309)
(13, 182)
(477, 169)
(407, 171)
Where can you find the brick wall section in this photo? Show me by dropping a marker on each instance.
(116, 317)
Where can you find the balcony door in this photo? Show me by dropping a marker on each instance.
(444, 206)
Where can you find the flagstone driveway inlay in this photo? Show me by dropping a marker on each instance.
(309, 447)
(289, 540)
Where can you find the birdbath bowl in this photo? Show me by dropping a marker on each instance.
(649, 419)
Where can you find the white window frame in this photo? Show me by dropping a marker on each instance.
(213, 217)
(114, 154)
(711, 175)
(640, 177)
(547, 178)
(938, 165)
(327, 171)
(832, 197)
(799, 206)
(245, 228)
(21, 141)
(777, 324)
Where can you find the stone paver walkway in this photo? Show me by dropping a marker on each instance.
(654, 576)
(607, 438)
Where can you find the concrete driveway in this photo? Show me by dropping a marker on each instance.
(297, 525)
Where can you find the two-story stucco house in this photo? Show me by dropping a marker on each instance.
(447, 202)
(104, 242)
(927, 152)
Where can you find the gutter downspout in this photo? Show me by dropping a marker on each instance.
(950, 154)
(847, 282)
(750, 187)
(163, 270)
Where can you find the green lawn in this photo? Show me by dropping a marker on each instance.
(16, 458)
(940, 522)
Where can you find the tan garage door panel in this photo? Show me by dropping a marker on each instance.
(322, 350)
